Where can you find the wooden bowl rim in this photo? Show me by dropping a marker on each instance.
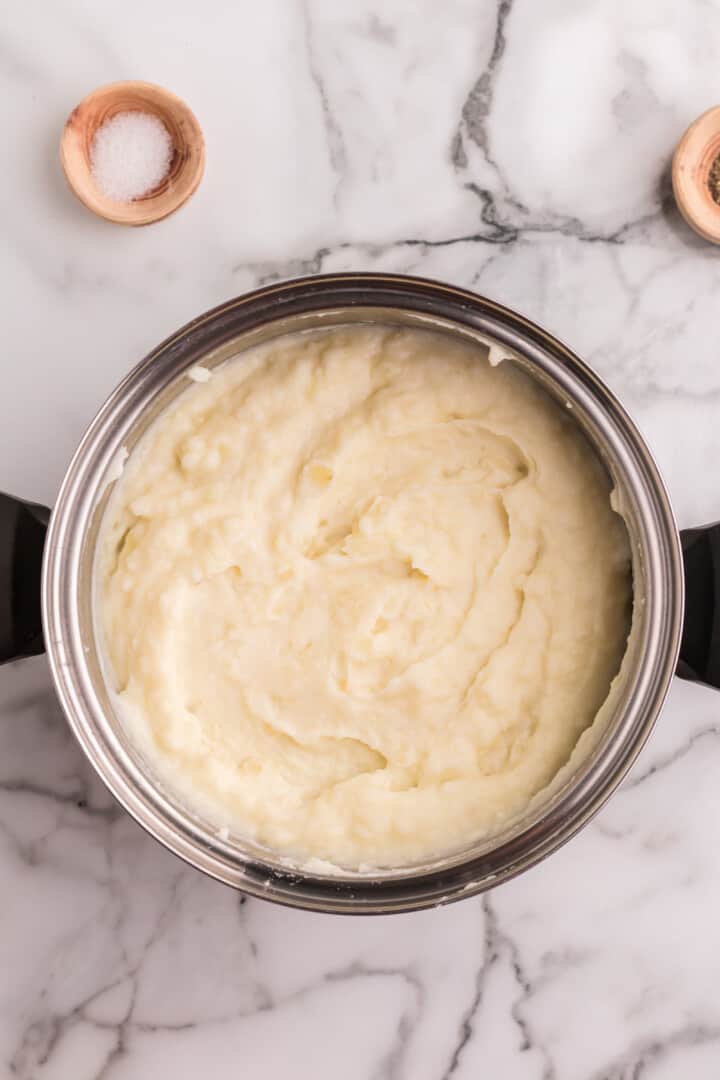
(186, 169)
(692, 161)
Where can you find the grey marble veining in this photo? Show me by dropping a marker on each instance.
(518, 148)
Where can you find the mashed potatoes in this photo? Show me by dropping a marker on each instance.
(361, 594)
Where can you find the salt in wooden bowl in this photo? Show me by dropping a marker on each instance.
(186, 166)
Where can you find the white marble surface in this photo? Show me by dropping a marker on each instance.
(519, 148)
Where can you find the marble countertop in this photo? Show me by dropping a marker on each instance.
(518, 148)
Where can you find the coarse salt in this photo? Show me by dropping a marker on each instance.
(130, 155)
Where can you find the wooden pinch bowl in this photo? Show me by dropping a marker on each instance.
(186, 167)
(692, 161)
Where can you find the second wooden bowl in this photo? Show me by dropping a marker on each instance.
(692, 163)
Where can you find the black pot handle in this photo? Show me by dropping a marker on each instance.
(700, 648)
(22, 538)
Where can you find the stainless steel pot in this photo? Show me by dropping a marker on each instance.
(67, 594)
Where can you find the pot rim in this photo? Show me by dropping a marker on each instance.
(407, 888)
